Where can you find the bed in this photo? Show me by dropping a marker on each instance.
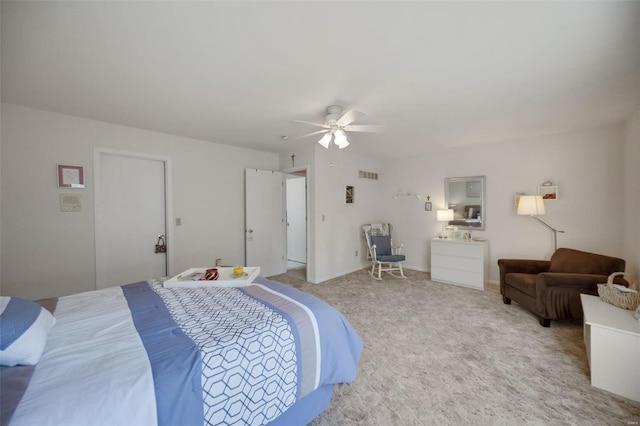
(144, 354)
(469, 216)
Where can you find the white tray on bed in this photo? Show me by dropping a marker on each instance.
(226, 278)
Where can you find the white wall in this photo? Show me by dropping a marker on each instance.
(339, 225)
(336, 227)
(587, 167)
(632, 194)
(48, 253)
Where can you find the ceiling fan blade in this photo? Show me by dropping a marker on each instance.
(312, 123)
(370, 128)
(310, 134)
(349, 117)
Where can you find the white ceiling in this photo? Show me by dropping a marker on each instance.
(437, 74)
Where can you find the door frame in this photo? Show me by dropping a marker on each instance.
(168, 208)
(292, 170)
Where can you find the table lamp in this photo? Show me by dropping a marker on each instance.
(444, 216)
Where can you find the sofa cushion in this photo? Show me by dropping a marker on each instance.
(582, 262)
(383, 245)
(392, 258)
(525, 283)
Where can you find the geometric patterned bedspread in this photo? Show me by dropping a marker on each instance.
(248, 350)
(147, 355)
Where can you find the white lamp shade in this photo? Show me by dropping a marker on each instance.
(531, 205)
(444, 215)
(326, 140)
(340, 136)
(344, 144)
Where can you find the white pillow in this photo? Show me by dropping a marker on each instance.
(24, 326)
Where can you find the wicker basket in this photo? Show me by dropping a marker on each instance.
(621, 299)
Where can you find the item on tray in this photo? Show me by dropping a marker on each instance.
(238, 270)
(210, 275)
(194, 276)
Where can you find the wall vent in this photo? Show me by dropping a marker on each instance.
(367, 175)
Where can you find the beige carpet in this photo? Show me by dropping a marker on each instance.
(439, 354)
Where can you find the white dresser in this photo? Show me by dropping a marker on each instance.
(460, 262)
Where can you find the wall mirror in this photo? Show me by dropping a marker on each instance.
(465, 196)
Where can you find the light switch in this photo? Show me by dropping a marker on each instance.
(178, 221)
(70, 203)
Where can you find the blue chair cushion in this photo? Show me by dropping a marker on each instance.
(383, 245)
(391, 258)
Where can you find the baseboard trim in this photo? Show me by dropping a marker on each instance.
(337, 275)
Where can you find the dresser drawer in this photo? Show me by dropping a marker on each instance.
(457, 249)
(457, 277)
(460, 263)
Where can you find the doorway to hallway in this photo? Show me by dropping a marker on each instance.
(296, 204)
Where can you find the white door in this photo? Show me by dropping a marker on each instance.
(297, 219)
(265, 229)
(130, 216)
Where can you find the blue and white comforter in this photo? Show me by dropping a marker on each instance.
(143, 354)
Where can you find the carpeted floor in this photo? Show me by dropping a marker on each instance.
(439, 354)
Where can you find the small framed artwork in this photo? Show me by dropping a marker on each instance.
(70, 176)
(548, 192)
(348, 195)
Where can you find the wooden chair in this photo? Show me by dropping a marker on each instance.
(385, 257)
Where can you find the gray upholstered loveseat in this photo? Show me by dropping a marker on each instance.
(551, 288)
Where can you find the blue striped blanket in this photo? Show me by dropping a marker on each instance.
(146, 354)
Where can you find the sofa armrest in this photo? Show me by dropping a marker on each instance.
(522, 266)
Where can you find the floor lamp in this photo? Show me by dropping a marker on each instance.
(533, 205)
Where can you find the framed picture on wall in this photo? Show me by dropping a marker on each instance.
(348, 199)
(70, 176)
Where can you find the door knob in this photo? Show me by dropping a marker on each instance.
(250, 231)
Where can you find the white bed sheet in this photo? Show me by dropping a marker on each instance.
(91, 394)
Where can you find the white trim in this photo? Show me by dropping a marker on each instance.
(337, 275)
(365, 267)
(289, 171)
(168, 179)
(415, 268)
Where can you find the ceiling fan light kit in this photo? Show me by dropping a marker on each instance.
(336, 125)
(326, 140)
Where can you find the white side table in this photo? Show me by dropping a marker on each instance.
(612, 338)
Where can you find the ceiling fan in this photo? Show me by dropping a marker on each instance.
(336, 125)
